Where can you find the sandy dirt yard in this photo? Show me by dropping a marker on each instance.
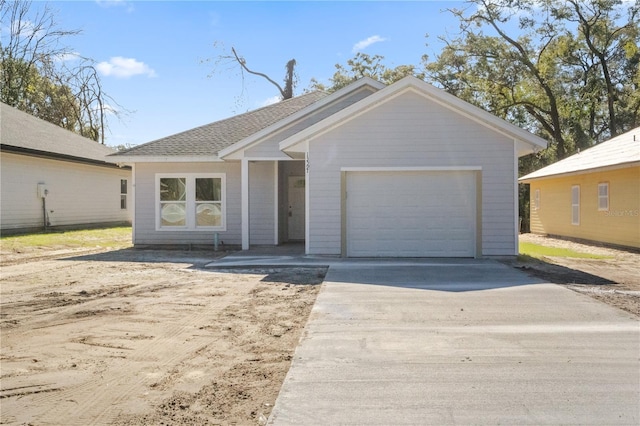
(614, 280)
(139, 337)
(132, 337)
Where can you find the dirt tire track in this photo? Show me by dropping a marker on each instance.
(93, 406)
(98, 341)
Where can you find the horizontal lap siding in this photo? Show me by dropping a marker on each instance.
(411, 131)
(262, 203)
(145, 220)
(78, 193)
(619, 225)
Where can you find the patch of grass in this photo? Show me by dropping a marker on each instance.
(525, 258)
(537, 251)
(119, 237)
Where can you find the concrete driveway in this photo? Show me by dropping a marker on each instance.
(459, 342)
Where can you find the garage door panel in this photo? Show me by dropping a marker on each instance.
(411, 214)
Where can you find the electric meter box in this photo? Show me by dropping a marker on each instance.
(42, 190)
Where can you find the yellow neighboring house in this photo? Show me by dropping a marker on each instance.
(593, 195)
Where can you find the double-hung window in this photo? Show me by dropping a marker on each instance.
(603, 196)
(575, 205)
(123, 194)
(536, 199)
(190, 201)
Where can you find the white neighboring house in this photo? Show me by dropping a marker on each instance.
(405, 170)
(51, 176)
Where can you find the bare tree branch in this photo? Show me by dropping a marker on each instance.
(37, 76)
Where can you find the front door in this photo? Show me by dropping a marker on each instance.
(296, 208)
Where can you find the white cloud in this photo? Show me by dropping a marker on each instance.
(270, 101)
(69, 56)
(24, 29)
(124, 68)
(116, 3)
(363, 44)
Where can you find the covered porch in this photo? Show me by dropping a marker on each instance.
(273, 200)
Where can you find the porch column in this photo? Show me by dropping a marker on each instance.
(276, 201)
(244, 182)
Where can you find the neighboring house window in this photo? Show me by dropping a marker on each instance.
(603, 196)
(575, 205)
(536, 199)
(123, 194)
(190, 201)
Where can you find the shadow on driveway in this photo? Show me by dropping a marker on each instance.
(454, 275)
(198, 258)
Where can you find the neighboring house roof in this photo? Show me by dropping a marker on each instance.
(205, 141)
(23, 133)
(621, 151)
(527, 142)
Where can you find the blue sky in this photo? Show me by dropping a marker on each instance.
(150, 53)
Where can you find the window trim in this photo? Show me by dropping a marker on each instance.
(575, 207)
(190, 201)
(600, 197)
(536, 199)
(123, 195)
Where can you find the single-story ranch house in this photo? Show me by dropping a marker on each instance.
(404, 170)
(593, 195)
(51, 177)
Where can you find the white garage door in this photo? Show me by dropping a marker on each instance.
(411, 214)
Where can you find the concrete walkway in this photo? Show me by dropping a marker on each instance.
(457, 342)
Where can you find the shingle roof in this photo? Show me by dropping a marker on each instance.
(620, 150)
(25, 133)
(207, 140)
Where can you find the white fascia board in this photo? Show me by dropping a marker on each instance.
(131, 159)
(239, 155)
(523, 148)
(297, 148)
(430, 92)
(255, 138)
(412, 169)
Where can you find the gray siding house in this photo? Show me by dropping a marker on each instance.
(404, 170)
(53, 176)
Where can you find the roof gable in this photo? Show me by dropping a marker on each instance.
(206, 141)
(22, 132)
(527, 142)
(617, 152)
(365, 84)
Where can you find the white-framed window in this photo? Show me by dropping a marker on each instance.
(575, 205)
(603, 196)
(123, 194)
(536, 199)
(190, 201)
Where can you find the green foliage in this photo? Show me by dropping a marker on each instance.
(363, 65)
(565, 70)
(570, 75)
(25, 88)
(539, 252)
(117, 237)
(40, 75)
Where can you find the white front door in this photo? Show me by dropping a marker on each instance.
(296, 208)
